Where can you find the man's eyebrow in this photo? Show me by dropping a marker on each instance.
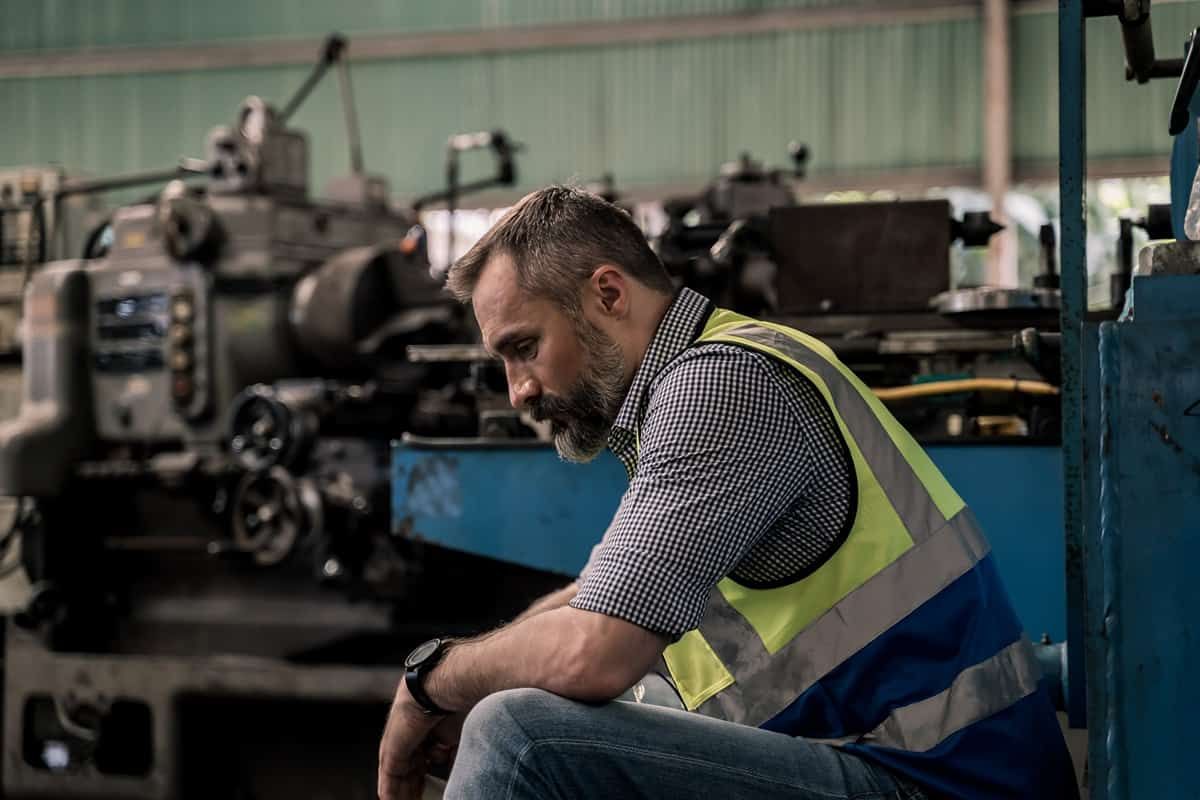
(507, 340)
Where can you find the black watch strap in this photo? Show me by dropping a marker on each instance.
(417, 666)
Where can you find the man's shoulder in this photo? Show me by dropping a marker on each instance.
(711, 364)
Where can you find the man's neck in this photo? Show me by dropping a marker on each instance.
(656, 306)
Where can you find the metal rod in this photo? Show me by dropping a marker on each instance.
(997, 138)
(1167, 68)
(302, 93)
(1072, 148)
(351, 112)
(332, 50)
(125, 181)
(1138, 37)
(444, 196)
(452, 190)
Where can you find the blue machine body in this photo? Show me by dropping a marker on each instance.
(1142, 542)
(522, 504)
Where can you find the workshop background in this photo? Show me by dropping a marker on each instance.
(250, 454)
(893, 96)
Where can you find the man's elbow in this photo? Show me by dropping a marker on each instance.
(602, 669)
(593, 681)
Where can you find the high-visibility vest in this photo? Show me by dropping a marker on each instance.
(903, 645)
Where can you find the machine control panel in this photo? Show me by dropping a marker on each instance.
(149, 352)
(129, 333)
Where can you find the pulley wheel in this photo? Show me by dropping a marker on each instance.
(272, 512)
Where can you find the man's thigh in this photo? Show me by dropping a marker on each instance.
(527, 743)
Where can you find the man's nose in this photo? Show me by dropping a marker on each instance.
(522, 389)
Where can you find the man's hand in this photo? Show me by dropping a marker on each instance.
(407, 748)
(573, 653)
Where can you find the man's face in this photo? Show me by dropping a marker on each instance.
(566, 372)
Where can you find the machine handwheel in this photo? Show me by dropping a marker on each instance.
(272, 512)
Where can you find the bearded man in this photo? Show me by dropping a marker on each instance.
(789, 562)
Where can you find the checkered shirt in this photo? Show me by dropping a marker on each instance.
(740, 472)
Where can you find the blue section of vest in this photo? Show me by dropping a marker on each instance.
(967, 622)
(1018, 752)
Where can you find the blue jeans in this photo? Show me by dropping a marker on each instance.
(526, 743)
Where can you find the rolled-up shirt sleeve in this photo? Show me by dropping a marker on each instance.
(722, 456)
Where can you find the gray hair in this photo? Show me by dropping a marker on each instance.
(556, 237)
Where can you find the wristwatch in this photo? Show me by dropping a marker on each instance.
(417, 666)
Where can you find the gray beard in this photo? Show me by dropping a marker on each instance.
(581, 419)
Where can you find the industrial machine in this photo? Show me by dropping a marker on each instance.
(872, 279)
(198, 477)
(1131, 397)
(25, 241)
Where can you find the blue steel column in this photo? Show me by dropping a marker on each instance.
(1073, 213)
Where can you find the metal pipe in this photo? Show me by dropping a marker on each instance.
(997, 138)
(1072, 148)
(1138, 36)
(966, 385)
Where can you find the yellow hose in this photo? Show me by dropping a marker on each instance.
(966, 385)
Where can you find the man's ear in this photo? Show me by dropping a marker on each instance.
(610, 291)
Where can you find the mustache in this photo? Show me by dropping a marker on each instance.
(551, 409)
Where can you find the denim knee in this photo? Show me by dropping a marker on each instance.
(500, 715)
(505, 723)
(495, 734)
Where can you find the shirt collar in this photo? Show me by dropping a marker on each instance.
(683, 322)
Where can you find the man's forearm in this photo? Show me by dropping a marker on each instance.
(572, 653)
(556, 599)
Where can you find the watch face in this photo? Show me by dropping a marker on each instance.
(422, 652)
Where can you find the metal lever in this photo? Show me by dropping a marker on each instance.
(334, 46)
(1141, 64)
(1048, 278)
(334, 51)
(504, 150)
(351, 112)
(1188, 82)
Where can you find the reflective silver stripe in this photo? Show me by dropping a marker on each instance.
(977, 693)
(895, 475)
(766, 684)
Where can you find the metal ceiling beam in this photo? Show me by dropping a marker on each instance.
(276, 52)
(390, 47)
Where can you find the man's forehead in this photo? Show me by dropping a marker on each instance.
(500, 304)
(497, 282)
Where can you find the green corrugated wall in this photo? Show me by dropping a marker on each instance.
(877, 97)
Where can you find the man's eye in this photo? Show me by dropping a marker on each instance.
(527, 349)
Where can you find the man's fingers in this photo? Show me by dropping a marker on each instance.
(400, 786)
